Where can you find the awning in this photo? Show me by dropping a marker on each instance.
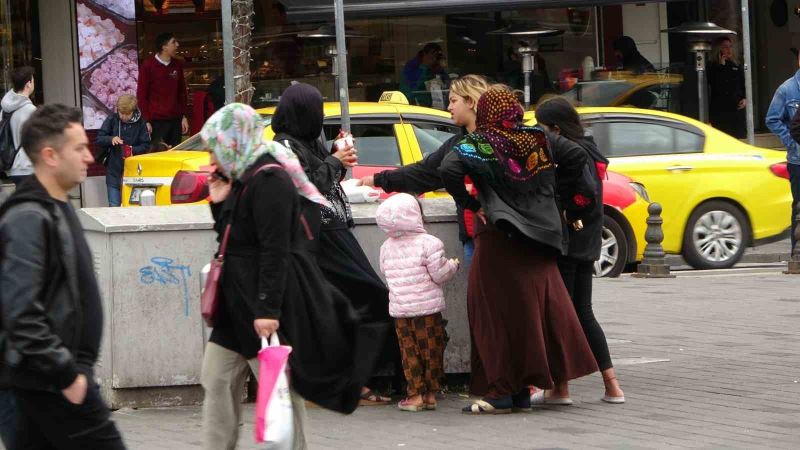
(303, 10)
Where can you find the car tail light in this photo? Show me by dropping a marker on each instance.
(189, 187)
(780, 170)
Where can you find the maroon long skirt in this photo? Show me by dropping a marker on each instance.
(523, 326)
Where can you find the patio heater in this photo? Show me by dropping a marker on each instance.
(328, 32)
(699, 35)
(529, 35)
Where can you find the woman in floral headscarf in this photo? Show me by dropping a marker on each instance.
(523, 327)
(271, 283)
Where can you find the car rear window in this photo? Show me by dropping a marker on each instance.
(195, 142)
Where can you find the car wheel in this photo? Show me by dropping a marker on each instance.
(613, 251)
(715, 236)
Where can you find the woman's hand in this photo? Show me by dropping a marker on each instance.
(367, 181)
(265, 327)
(218, 190)
(347, 156)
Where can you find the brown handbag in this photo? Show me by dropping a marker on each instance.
(209, 299)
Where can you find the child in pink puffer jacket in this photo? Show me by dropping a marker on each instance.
(415, 267)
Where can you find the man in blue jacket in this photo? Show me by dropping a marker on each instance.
(782, 110)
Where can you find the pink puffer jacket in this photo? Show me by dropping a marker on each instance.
(412, 260)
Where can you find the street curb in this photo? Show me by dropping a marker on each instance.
(757, 258)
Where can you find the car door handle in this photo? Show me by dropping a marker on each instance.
(680, 168)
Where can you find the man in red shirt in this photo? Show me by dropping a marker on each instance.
(162, 93)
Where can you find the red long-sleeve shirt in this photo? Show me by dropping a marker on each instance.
(161, 90)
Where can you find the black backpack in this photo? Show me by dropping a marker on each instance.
(8, 149)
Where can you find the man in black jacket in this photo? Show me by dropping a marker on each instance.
(52, 315)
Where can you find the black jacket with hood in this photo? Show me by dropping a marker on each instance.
(584, 245)
(133, 133)
(43, 319)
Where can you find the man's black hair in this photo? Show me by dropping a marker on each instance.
(21, 76)
(162, 40)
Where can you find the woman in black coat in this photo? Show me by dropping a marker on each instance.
(559, 117)
(271, 283)
(298, 126)
(726, 93)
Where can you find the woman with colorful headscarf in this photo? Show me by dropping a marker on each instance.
(271, 283)
(523, 327)
(298, 126)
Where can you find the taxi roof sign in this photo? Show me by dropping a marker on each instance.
(393, 97)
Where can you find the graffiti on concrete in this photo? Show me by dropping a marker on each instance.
(165, 272)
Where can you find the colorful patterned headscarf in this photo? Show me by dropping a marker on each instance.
(235, 134)
(501, 146)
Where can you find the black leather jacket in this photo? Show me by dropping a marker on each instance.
(39, 293)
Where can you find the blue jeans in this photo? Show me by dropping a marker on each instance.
(794, 182)
(114, 195)
(8, 418)
(469, 249)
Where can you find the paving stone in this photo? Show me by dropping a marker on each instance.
(728, 379)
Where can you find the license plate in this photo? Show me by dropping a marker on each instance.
(136, 193)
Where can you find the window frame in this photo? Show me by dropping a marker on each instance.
(390, 120)
(610, 118)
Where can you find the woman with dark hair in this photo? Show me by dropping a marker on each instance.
(298, 126)
(264, 207)
(557, 116)
(524, 330)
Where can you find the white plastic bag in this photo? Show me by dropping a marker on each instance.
(359, 194)
(274, 419)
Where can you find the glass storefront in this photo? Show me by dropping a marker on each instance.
(588, 63)
(20, 41)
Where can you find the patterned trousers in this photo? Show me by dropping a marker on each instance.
(422, 341)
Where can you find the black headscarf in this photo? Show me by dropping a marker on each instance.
(299, 112)
(632, 60)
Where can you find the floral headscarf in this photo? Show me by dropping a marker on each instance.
(501, 147)
(235, 134)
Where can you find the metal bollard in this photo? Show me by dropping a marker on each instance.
(654, 264)
(794, 263)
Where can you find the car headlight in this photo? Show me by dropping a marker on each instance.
(641, 190)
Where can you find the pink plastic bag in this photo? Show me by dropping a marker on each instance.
(274, 420)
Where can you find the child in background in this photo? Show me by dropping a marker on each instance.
(122, 135)
(415, 267)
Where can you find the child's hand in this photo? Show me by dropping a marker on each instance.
(116, 140)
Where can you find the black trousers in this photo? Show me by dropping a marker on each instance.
(48, 421)
(166, 131)
(794, 183)
(577, 276)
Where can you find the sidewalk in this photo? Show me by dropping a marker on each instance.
(707, 360)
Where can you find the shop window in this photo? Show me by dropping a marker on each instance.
(376, 143)
(431, 136)
(619, 139)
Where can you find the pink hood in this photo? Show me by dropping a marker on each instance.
(400, 215)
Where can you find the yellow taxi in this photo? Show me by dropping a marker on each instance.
(719, 195)
(389, 134)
